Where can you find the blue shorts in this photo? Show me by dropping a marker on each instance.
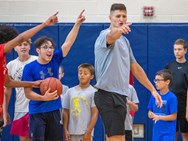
(46, 126)
(112, 108)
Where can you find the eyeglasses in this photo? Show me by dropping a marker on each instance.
(45, 47)
(157, 80)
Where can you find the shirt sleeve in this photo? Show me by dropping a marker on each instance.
(58, 56)
(102, 39)
(27, 73)
(65, 89)
(93, 102)
(66, 100)
(173, 104)
(134, 95)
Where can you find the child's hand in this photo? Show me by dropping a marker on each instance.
(128, 102)
(6, 118)
(51, 20)
(36, 84)
(156, 118)
(150, 114)
(153, 116)
(81, 18)
(50, 96)
(87, 136)
(67, 135)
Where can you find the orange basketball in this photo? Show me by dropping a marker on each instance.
(52, 83)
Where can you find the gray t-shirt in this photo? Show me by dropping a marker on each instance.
(132, 96)
(112, 64)
(65, 88)
(79, 102)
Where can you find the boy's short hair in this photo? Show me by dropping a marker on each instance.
(42, 40)
(181, 42)
(88, 66)
(117, 6)
(7, 33)
(166, 74)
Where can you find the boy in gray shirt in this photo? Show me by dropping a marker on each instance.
(132, 105)
(80, 113)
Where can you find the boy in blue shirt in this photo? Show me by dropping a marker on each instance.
(164, 127)
(44, 123)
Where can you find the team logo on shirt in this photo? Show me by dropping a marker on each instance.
(42, 73)
(50, 71)
(77, 101)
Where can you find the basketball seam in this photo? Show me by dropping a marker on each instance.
(56, 85)
(49, 83)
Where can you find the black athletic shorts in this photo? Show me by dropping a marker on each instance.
(46, 126)
(128, 135)
(182, 125)
(112, 108)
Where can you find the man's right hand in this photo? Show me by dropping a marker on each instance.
(158, 99)
(125, 28)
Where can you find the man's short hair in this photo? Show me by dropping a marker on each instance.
(117, 6)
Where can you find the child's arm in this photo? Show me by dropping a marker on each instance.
(155, 117)
(72, 35)
(170, 117)
(65, 124)
(30, 94)
(29, 33)
(94, 116)
(9, 82)
(6, 116)
(133, 106)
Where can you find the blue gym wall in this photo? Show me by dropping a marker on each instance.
(152, 45)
